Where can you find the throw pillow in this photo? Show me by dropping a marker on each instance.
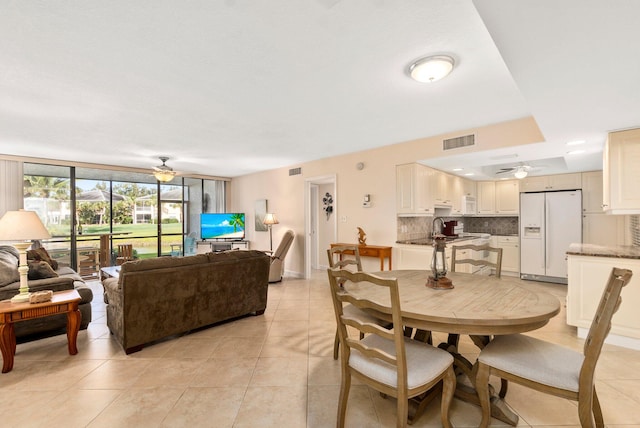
(9, 259)
(42, 254)
(41, 270)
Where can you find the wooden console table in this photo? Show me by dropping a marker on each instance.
(380, 252)
(62, 302)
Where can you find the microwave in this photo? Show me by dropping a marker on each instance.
(469, 205)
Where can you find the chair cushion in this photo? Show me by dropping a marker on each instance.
(424, 362)
(534, 359)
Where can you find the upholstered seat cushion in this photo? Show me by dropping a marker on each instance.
(424, 362)
(534, 359)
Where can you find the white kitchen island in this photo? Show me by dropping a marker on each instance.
(589, 269)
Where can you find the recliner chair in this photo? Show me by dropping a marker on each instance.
(277, 259)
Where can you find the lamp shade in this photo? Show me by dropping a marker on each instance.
(22, 226)
(164, 176)
(270, 218)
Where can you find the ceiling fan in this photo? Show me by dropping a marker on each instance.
(519, 171)
(164, 173)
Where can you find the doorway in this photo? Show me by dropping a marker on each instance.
(320, 227)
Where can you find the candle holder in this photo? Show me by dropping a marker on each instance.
(438, 279)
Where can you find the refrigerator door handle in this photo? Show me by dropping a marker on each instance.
(543, 222)
(547, 237)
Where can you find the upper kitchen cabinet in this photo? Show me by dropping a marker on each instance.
(551, 182)
(486, 197)
(507, 197)
(410, 188)
(621, 175)
(498, 197)
(592, 192)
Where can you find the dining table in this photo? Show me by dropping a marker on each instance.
(479, 306)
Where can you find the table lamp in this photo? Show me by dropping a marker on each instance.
(22, 226)
(270, 219)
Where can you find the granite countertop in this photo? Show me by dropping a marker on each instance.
(619, 251)
(429, 241)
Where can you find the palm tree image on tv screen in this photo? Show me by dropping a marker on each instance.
(222, 226)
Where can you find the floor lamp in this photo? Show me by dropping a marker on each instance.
(22, 226)
(270, 219)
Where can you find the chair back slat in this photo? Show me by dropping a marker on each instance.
(496, 265)
(341, 296)
(343, 256)
(601, 323)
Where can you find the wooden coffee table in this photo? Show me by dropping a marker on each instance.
(62, 302)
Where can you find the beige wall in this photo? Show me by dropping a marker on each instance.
(286, 193)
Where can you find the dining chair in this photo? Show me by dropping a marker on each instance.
(348, 256)
(125, 253)
(385, 359)
(478, 257)
(551, 368)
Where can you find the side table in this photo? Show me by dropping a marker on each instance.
(380, 252)
(62, 302)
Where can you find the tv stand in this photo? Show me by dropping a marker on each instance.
(206, 246)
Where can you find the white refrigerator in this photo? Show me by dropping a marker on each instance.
(549, 223)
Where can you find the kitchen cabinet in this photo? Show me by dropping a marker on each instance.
(486, 197)
(510, 254)
(551, 182)
(598, 227)
(588, 275)
(507, 197)
(437, 187)
(410, 188)
(592, 192)
(498, 197)
(621, 175)
(456, 189)
(417, 256)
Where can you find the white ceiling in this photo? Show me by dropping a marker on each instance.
(232, 87)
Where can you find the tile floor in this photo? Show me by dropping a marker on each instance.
(274, 370)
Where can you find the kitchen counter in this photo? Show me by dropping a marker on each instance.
(620, 251)
(459, 238)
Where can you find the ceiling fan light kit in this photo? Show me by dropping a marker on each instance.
(431, 68)
(164, 173)
(520, 173)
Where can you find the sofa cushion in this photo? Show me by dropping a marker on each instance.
(161, 262)
(42, 254)
(40, 270)
(9, 259)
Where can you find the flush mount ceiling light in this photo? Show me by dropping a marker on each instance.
(431, 69)
(163, 173)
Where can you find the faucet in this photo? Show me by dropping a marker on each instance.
(433, 226)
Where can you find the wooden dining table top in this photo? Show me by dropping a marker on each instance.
(477, 305)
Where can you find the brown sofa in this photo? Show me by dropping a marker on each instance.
(66, 279)
(156, 298)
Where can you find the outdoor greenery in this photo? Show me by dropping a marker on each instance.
(94, 215)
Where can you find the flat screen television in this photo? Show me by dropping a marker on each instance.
(222, 226)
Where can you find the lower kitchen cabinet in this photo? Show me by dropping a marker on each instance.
(588, 275)
(510, 253)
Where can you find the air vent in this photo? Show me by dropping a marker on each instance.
(456, 143)
(295, 171)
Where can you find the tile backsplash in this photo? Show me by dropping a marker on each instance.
(420, 227)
